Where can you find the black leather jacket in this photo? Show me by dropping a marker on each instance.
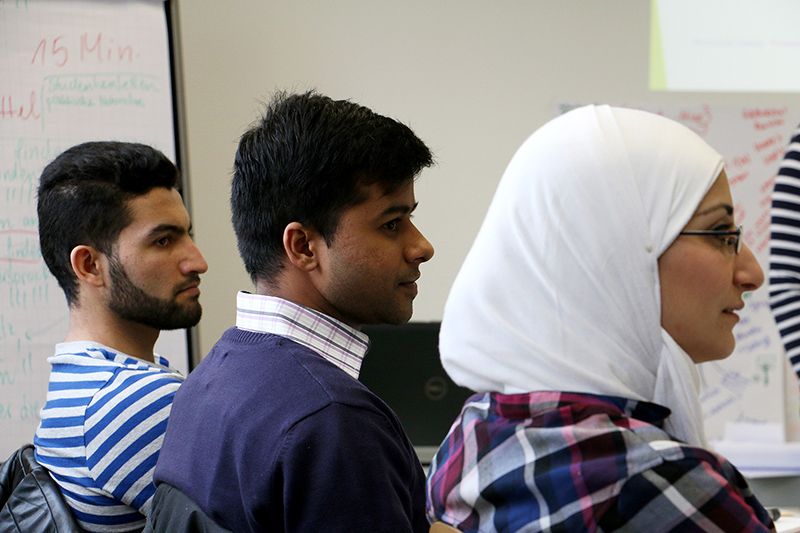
(174, 512)
(30, 501)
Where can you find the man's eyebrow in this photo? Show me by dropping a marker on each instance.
(168, 228)
(400, 209)
(727, 207)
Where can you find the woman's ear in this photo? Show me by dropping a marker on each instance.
(89, 265)
(301, 245)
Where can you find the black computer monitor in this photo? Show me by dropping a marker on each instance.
(402, 367)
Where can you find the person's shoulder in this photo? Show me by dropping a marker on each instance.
(615, 426)
(139, 371)
(653, 451)
(239, 348)
(103, 369)
(152, 387)
(243, 353)
(679, 487)
(601, 427)
(239, 355)
(614, 437)
(268, 375)
(335, 384)
(328, 387)
(283, 362)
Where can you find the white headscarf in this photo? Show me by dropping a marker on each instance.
(560, 290)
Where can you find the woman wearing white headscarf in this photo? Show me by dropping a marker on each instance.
(580, 312)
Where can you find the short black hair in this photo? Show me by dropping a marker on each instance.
(83, 197)
(307, 160)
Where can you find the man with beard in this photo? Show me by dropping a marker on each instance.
(114, 232)
(273, 431)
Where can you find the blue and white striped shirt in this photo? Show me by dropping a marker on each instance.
(101, 432)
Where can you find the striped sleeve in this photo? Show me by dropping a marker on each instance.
(784, 263)
(125, 425)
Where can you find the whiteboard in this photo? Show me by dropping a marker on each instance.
(70, 71)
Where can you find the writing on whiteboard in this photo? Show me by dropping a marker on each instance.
(697, 120)
(60, 50)
(765, 118)
(98, 90)
(731, 388)
(23, 108)
(751, 337)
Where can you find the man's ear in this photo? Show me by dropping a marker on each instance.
(301, 245)
(89, 265)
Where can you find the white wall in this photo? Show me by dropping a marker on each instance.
(472, 78)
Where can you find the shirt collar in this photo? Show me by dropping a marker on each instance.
(334, 340)
(96, 350)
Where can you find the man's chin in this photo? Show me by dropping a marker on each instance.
(398, 319)
(190, 319)
(168, 319)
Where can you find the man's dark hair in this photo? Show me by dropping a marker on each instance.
(83, 200)
(307, 160)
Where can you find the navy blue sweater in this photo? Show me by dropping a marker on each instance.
(266, 435)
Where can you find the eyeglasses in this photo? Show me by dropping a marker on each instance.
(734, 238)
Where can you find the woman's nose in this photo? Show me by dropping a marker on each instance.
(748, 274)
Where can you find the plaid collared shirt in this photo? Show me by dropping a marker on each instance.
(335, 341)
(550, 461)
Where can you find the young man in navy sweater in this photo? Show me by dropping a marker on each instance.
(273, 431)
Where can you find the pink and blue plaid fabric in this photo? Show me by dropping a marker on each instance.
(335, 341)
(563, 462)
